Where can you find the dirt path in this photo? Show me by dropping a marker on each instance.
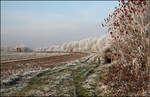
(64, 80)
(21, 66)
(78, 78)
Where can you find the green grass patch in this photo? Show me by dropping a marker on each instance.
(80, 76)
(34, 83)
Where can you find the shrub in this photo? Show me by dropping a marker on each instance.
(128, 26)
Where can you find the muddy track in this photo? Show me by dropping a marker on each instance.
(9, 68)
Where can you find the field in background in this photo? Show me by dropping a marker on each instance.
(11, 56)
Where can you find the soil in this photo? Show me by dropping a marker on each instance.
(20, 66)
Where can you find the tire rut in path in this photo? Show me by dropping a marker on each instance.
(61, 81)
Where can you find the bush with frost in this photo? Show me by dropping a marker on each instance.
(24, 48)
(128, 25)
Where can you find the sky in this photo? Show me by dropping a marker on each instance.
(46, 23)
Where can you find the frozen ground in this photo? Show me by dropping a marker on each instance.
(10, 56)
(18, 63)
(55, 77)
(78, 77)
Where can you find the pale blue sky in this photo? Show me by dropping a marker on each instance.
(46, 23)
